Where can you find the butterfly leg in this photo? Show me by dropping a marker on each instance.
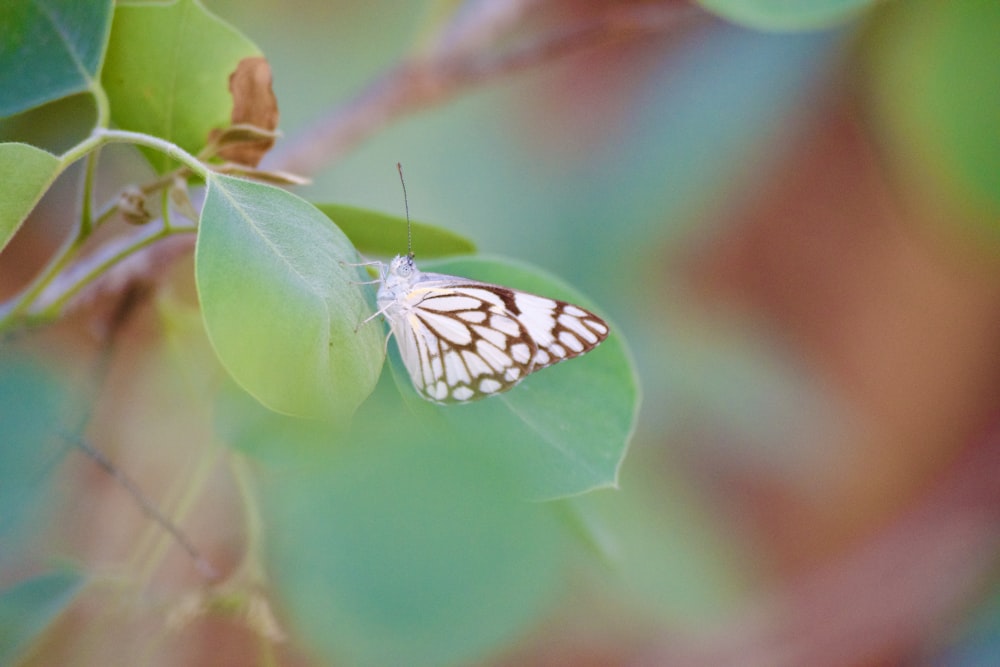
(380, 311)
(374, 263)
(357, 264)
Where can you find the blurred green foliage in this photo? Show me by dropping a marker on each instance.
(403, 534)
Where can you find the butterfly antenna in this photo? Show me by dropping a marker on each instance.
(406, 205)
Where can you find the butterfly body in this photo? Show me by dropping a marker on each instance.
(462, 340)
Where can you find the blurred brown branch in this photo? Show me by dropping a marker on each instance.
(463, 59)
(883, 600)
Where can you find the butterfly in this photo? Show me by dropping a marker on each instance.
(462, 340)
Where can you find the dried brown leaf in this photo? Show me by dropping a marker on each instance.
(254, 104)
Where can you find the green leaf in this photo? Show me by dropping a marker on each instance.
(280, 303)
(669, 555)
(404, 547)
(50, 49)
(167, 72)
(379, 234)
(26, 173)
(932, 83)
(29, 607)
(784, 15)
(566, 428)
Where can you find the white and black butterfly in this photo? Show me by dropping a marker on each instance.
(462, 340)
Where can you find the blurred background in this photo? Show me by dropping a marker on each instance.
(797, 233)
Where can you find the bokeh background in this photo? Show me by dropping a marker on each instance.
(796, 231)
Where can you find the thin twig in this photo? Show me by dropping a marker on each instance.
(120, 262)
(132, 293)
(420, 83)
(147, 506)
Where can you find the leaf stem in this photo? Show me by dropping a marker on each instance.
(87, 205)
(102, 104)
(172, 150)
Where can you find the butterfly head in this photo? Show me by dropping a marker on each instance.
(402, 266)
(400, 275)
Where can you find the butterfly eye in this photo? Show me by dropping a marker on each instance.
(406, 265)
(401, 266)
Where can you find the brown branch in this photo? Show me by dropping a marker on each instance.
(422, 82)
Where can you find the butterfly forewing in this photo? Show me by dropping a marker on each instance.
(463, 340)
(467, 340)
(560, 330)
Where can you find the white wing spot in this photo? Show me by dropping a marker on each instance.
(450, 303)
(439, 391)
(598, 326)
(527, 301)
(462, 393)
(420, 342)
(521, 353)
(537, 316)
(483, 295)
(512, 374)
(474, 316)
(495, 337)
(557, 350)
(505, 324)
(436, 368)
(489, 385)
(570, 309)
(446, 327)
(570, 341)
(455, 372)
(493, 355)
(577, 327)
(476, 364)
(542, 358)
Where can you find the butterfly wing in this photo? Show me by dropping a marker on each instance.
(463, 340)
(560, 330)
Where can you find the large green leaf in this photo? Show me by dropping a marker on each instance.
(787, 14)
(26, 173)
(29, 607)
(167, 72)
(281, 303)
(566, 428)
(933, 85)
(397, 545)
(379, 234)
(667, 552)
(49, 49)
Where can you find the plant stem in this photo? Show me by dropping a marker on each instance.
(172, 150)
(19, 308)
(101, 101)
(58, 263)
(52, 309)
(87, 205)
